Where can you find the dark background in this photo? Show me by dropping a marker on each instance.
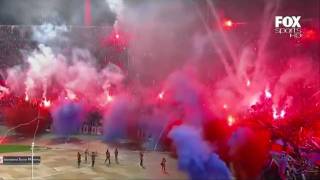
(71, 12)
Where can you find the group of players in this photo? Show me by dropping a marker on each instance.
(116, 153)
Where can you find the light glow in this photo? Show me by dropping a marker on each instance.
(267, 93)
(161, 95)
(231, 120)
(248, 83)
(46, 103)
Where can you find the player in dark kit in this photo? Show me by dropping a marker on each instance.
(79, 159)
(86, 153)
(93, 158)
(163, 165)
(107, 157)
(141, 159)
(116, 152)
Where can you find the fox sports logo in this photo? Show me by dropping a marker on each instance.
(288, 25)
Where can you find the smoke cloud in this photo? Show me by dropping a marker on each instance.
(118, 119)
(195, 156)
(180, 67)
(67, 118)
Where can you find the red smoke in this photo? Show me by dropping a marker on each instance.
(249, 156)
(166, 141)
(218, 132)
(28, 114)
(87, 13)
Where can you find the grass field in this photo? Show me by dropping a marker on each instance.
(6, 148)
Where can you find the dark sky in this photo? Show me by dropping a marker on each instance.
(72, 11)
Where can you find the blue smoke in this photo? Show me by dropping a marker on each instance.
(195, 156)
(67, 118)
(189, 95)
(116, 120)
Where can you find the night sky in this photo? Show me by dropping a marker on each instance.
(71, 12)
(35, 12)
